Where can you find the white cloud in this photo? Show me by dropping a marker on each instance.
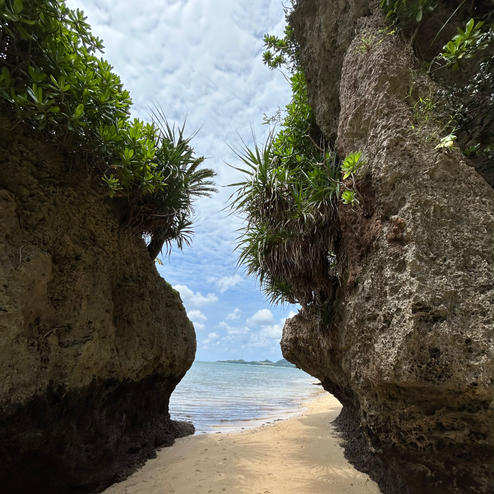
(273, 331)
(212, 337)
(227, 282)
(262, 317)
(194, 299)
(234, 315)
(196, 315)
(233, 330)
(264, 335)
(238, 331)
(198, 318)
(257, 340)
(291, 314)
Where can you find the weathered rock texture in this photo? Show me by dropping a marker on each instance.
(324, 30)
(93, 341)
(409, 351)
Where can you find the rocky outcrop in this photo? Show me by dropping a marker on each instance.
(93, 339)
(409, 350)
(323, 31)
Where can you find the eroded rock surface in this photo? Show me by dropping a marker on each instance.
(324, 30)
(93, 340)
(409, 351)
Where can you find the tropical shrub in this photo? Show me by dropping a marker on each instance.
(281, 51)
(53, 82)
(465, 44)
(288, 202)
(288, 197)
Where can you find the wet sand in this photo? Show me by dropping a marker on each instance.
(301, 455)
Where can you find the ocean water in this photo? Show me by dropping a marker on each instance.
(224, 397)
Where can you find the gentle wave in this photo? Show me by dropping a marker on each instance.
(224, 397)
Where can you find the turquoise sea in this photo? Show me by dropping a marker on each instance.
(225, 397)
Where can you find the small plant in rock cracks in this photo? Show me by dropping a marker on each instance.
(464, 45)
(350, 166)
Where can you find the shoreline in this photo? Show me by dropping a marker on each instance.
(250, 424)
(209, 395)
(297, 455)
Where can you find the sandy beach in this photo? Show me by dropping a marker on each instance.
(301, 455)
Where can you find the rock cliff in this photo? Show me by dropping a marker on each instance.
(93, 339)
(409, 350)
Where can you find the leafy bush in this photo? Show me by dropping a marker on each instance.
(288, 201)
(465, 44)
(288, 197)
(351, 164)
(165, 215)
(281, 51)
(53, 82)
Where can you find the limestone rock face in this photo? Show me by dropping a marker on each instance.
(324, 30)
(410, 350)
(93, 340)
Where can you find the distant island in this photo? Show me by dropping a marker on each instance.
(280, 363)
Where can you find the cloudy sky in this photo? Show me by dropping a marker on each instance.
(200, 60)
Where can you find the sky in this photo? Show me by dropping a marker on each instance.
(201, 61)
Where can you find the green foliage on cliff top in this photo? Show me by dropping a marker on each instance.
(52, 80)
(288, 200)
(288, 196)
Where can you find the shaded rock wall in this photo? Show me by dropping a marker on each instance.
(409, 351)
(323, 31)
(93, 340)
